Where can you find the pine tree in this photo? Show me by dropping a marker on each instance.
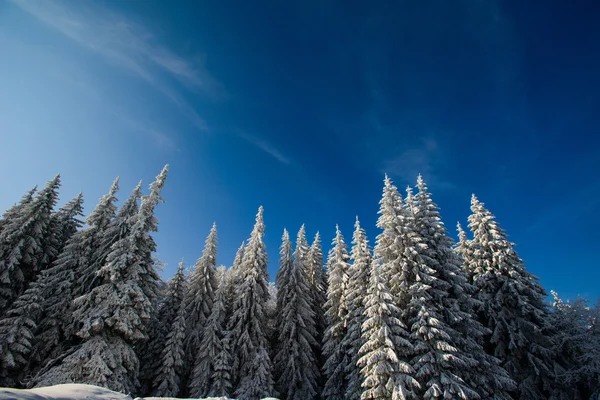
(94, 246)
(575, 349)
(457, 365)
(17, 329)
(317, 278)
(210, 376)
(233, 281)
(114, 313)
(24, 250)
(511, 306)
(358, 283)
(282, 280)
(251, 361)
(16, 209)
(55, 330)
(65, 222)
(168, 379)
(295, 361)
(151, 358)
(336, 312)
(386, 346)
(199, 300)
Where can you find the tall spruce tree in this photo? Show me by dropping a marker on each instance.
(64, 223)
(336, 312)
(17, 328)
(457, 365)
(317, 278)
(210, 376)
(24, 246)
(199, 299)
(252, 369)
(168, 380)
(358, 283)
(295, 361)
(152, 358)
(114, 313)
(511, 306)
(386, 373)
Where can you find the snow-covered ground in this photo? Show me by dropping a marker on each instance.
(75, 391)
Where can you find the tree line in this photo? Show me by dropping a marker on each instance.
(416, 316)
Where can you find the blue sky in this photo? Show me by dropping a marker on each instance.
(303, 106)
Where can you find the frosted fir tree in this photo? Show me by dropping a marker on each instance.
(358, 283)
(15, 209)
(151, 358)
(252, 368)
(65, 222)
(199, 299)
(54, 334)
(336, 312)
(168, 380)
(212, 352)
(113, 315)
(94, 243)
(296, 363)
(457, 364)
(282, 279)
(17, 328)
(576, 349)
(317, 278)
(385, 371)
(24, 250)
(511, 306)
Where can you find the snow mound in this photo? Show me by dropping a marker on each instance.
(70, 391)
(77, 391)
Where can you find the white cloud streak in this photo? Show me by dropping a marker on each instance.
(266, 147)
(128, 45)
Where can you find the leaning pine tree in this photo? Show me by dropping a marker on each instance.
(252, 367)
(511, 306)
(295, 361)
(113, 314)
(336, 312)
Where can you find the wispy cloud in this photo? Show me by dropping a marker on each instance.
(128, 45)
(266, 147)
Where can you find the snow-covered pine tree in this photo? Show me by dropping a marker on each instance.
(94, 244)
(295, 361)
(199, 300)
(511, 306)
(233, 281)
(151, 359)
(17, 328)
(210, 376)
(386, 373)
(358, 283)
(449, 358)
(576, 350)
(317, 278)
(168, 379)
(113, 315)
(252, 369)
(24, 250)
(54, 334)
(64, 223)
(282, 281)
(336, 312)
(14, 210)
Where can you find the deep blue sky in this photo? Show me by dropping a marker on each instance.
(303, 106)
